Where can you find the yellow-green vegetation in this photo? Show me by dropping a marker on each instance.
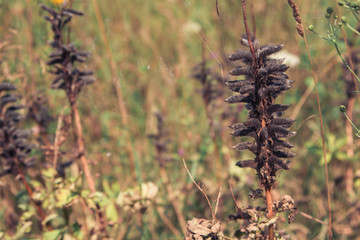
(147, 111)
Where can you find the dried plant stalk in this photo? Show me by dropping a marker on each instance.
(162, 156)
(14, 148)
(300, 29)
(71, 79)
(264, 81)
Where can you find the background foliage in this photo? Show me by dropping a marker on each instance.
(154, 46)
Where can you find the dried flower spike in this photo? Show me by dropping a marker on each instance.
(263, 82)
(14, 148)
(64, 57)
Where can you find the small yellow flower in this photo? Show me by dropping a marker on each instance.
(59, 2)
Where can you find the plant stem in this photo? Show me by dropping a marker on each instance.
(323, 140)
(85, 166)
(247, 30)
(269, 204)
(30, 192)
(120, 98)
(171, 197)
(345, 63)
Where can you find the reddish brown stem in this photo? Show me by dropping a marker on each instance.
(247, 30)
(253, 18)
(30, 192)
(85, 166)
(269, 204)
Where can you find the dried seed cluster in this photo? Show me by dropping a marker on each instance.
(14, 148)
(209, 80)
(161, 142)
(263, 80)
(203, 229)
(64, 56)
(38, 110)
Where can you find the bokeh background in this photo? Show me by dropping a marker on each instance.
(143, 55)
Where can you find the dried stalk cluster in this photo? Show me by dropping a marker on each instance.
(212, 91)
(264, 81)
(161, 142)
(14, 148)
(71, 79)
(64, 56)
(210, 81)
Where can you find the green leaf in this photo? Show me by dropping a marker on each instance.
(26, 227)
(48, 173)
(56, 234)
(111, 212)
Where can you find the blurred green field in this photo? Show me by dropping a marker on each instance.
(154, 45)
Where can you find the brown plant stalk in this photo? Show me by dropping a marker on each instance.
(120, 98)
(263, 79)
(71, 79)
(300, 29)
(269, 201)
(161, 156)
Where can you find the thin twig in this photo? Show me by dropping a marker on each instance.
(201, 190)
(57, 136)
(312, 218)
(233, 196)
(247, 30)
(300, 29)
(253, 19)
(217, 201)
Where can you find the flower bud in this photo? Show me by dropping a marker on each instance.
(342, 108)
(329, 10)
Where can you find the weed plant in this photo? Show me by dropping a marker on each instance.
(92, 170)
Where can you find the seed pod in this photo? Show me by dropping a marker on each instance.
(246, 164)
(244, 146)
(243, 132)
(238, 99)
(282, 154)
(242, 71)
(268, 50)
(276, 108)
(278, 162)
(241, 55)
